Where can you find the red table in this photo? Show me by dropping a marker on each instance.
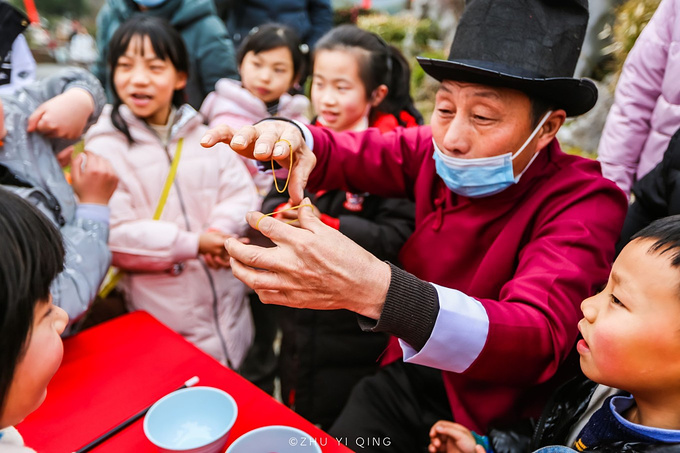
(117, 368)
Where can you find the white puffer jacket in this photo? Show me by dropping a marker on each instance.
(212, 190)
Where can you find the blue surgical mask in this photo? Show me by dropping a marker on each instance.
(481, 177)
(150, 3)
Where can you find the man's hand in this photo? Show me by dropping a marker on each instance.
(291, 215)
(449, 437)
(93, 178)
(267, 140)
(64, 116)
(313, 266)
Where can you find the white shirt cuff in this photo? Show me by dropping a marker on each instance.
(459, 334)
(309, 138)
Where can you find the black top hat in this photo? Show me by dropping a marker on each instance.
(528, 45)
(12, 22)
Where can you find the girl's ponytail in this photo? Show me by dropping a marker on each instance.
(398, 97)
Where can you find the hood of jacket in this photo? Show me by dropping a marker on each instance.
(179, 13)
(230, 96)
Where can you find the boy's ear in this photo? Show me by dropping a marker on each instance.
(379, 95)
(181, 82)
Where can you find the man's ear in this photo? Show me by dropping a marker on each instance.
(550, 128)
(181, 80)
(379, 95)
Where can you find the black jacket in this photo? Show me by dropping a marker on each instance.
(657, 194)
(565, 408)
(325, 353)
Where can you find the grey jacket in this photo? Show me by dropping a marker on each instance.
(28, 167)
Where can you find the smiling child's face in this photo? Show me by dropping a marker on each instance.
(631, 330)
(37, 365)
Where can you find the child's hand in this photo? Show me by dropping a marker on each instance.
(449, 437)
(93, 178)
(64, 116)
(212, 243)
(221, 260)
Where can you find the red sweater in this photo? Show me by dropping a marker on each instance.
(529, 254)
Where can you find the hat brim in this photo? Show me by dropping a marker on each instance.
(574, 96)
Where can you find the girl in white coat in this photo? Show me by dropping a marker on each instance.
(174, 267)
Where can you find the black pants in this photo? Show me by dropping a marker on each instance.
(260, 365)
(393, 410)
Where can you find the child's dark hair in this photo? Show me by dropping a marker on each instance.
(271, 36)
(666, 234)
(31, 256)
(379, 64)
(166, 43)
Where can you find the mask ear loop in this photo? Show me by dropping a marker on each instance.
(257, 225)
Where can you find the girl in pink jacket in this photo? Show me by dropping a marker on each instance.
(175, 267)
(271, 61)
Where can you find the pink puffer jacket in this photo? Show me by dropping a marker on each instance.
(646, 110)
(233, 105)
(212, 189)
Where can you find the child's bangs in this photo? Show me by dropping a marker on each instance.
(161, 47)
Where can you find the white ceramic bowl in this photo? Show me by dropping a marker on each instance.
(192, 420)
(278, 439)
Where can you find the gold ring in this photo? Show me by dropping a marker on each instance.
(290, 147)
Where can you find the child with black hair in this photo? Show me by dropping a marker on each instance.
(271, 60)
(359, 81)
(172, 253)
(31, 256)
(630, 341)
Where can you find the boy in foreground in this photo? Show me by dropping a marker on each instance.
(631, 341)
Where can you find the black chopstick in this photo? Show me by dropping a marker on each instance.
(189, 383)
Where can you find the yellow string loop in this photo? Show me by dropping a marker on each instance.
(290, 169)
(257, 225)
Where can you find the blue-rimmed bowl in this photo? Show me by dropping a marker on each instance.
(279, 439)
(192, 420)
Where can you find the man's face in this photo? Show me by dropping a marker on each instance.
(631, 330)
(472, 121)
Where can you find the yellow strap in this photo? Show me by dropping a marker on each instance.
(114, 275)
(168, 181)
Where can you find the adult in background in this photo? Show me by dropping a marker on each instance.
(646, 110)
(211, 55)
(311, 19)
(511, 233)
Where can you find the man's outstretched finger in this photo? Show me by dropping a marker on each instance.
(218, 134)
